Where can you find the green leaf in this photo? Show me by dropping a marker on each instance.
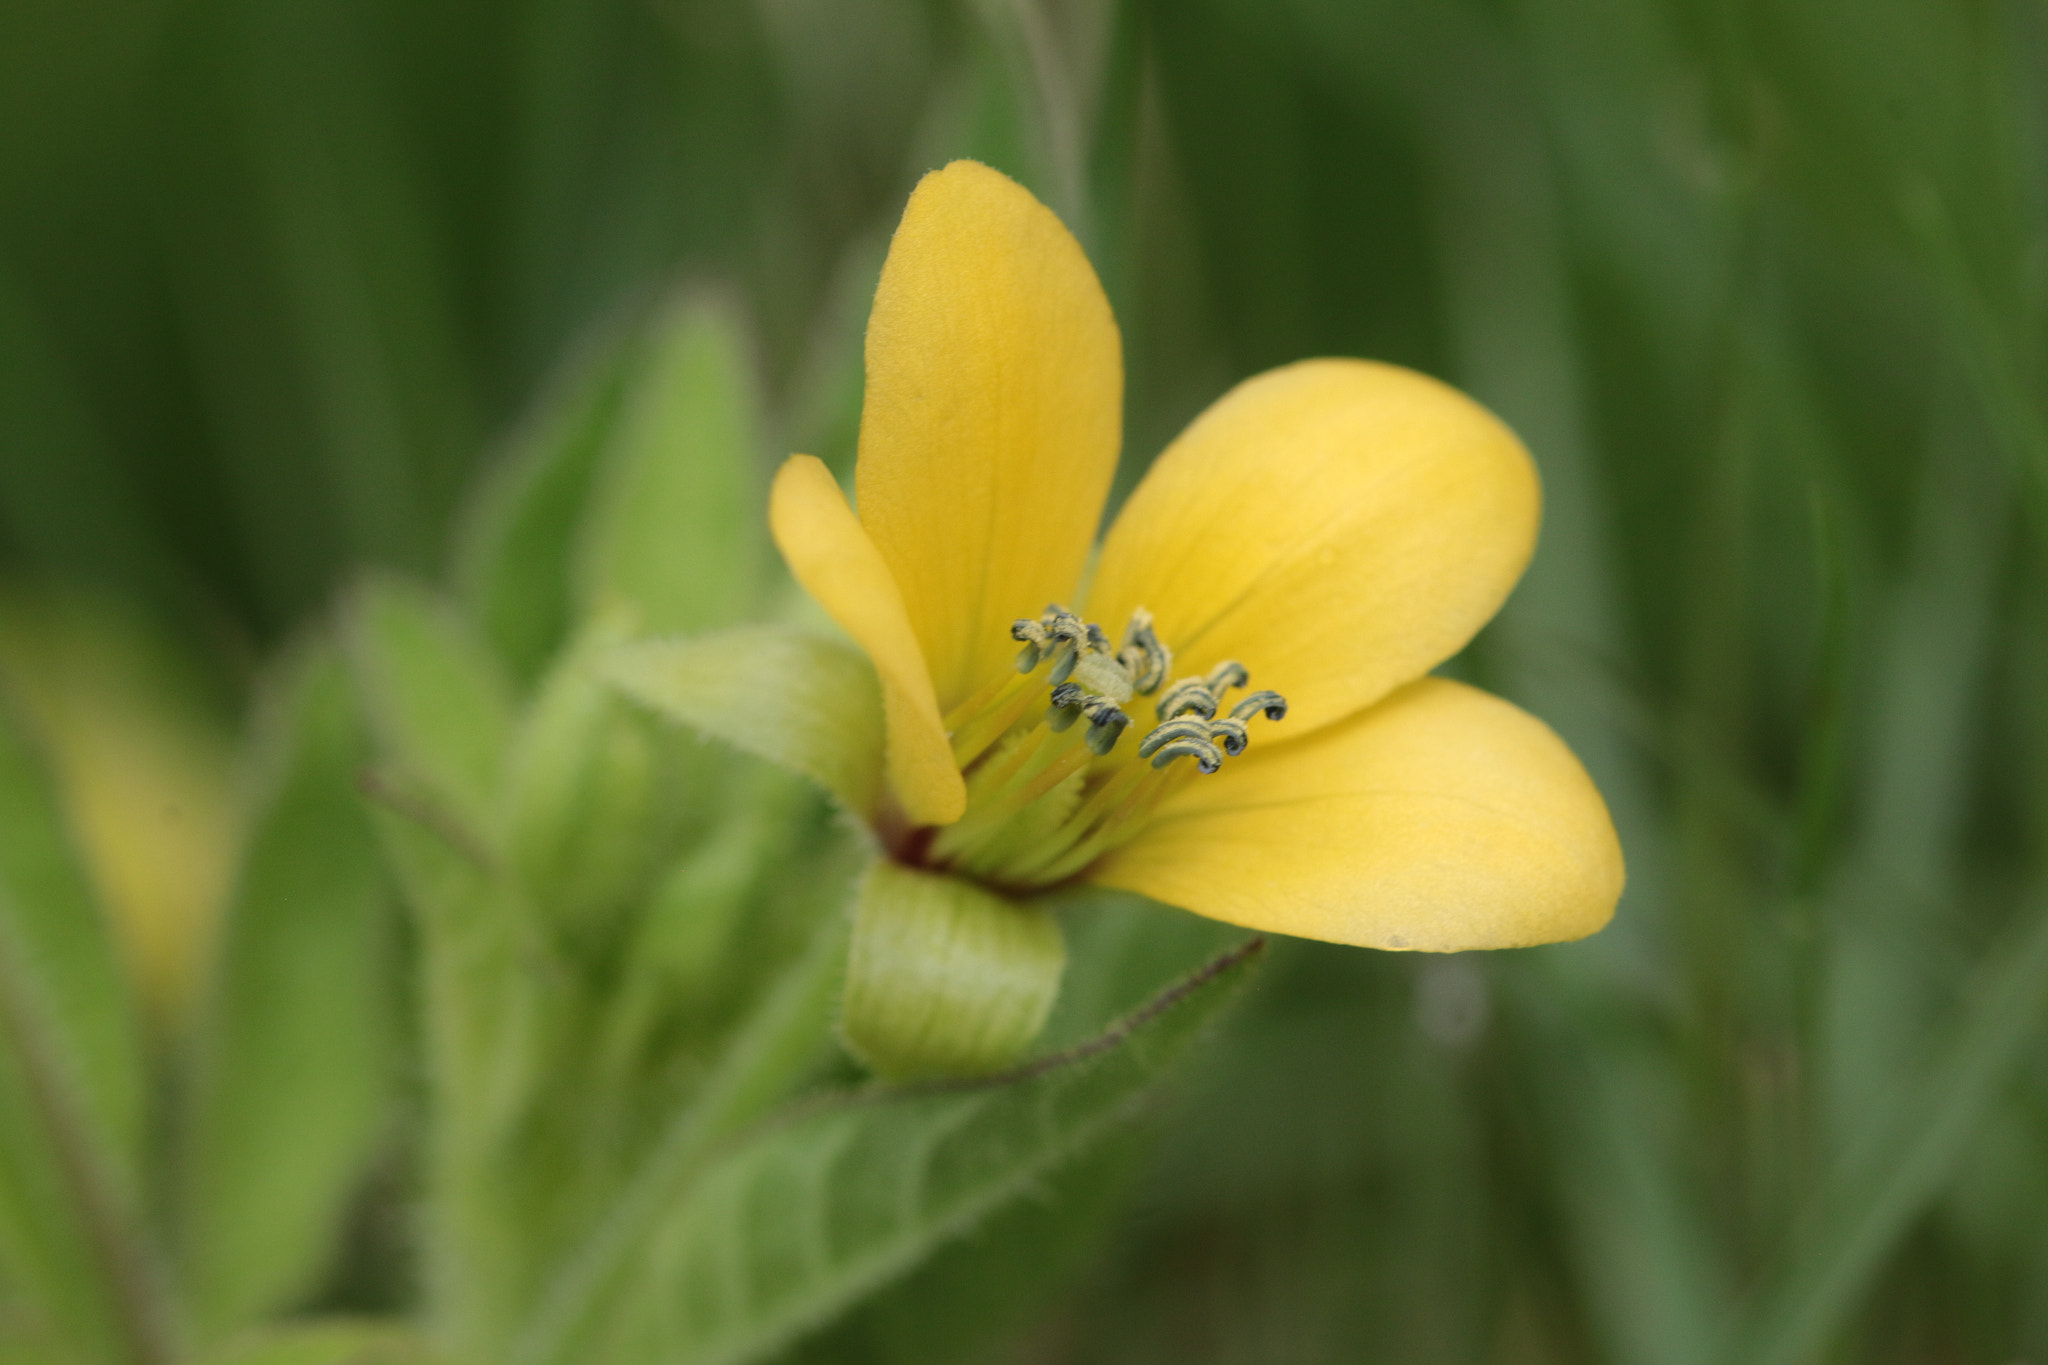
(326, 1343)
(809, 704)
(516, 539)
(71, 1090)
(676, 526)
(780, 1233)
(293, 1061)
(437, 705)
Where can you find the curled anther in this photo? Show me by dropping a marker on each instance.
(1032, 636)
(1226, 675)
(1106, 725)
(1067, 701)
(1143, 655)
(1206, 755)
(1188, 696)
(1229, 732)
(1098, 639)
(1061, 624)
(1172, 732)
(1272, 703)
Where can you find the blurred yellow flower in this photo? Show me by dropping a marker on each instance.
(144, 775)
(1328, 531)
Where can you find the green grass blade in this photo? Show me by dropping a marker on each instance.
(1860, 1217)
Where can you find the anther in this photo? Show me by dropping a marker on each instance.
(1188, 695)
(1173, 732)
(1227, 675)
(1098, 639)
(1107, 722)
(1032, 635)
(1272, 703)
(1206, 755)
(1067, 700)
(1142, 654)
(1229, 732)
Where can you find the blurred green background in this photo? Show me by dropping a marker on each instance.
(1761, 284)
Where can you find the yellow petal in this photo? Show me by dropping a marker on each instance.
(839, 566)
(1441, 819)
(991, 419)
(1337, 526)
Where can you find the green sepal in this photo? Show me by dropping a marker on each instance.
(583, 787)
(800, 701)
(674, 524)
(945, 978)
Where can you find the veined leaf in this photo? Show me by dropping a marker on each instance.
(293, 1061)
(786, 1230)
(796, 699)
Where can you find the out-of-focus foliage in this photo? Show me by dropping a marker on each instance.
(1761, 285)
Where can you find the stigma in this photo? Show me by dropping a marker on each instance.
(1051, 786)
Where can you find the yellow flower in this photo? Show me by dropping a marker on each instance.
(1326, 533)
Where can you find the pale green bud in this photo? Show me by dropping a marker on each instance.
(945, 978)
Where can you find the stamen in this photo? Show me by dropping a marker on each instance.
(1226, 675)
(1272, 703)
(1229, 732)
(1190, 727)
(1188, 695)
(1066, 706)
(1206, 755)
(1106, 727)
(1044, 802)
(1142, 655)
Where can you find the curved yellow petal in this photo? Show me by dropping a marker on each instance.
(839, 566)
(1441, 819)
(992, 414)
(1339, 527)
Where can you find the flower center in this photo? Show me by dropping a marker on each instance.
(1049, 787)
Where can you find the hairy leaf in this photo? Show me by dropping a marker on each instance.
(439, 709)
(677, 522)
(812, 1214)
(326, 1343)
(71, 1101)
(293, 1061)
